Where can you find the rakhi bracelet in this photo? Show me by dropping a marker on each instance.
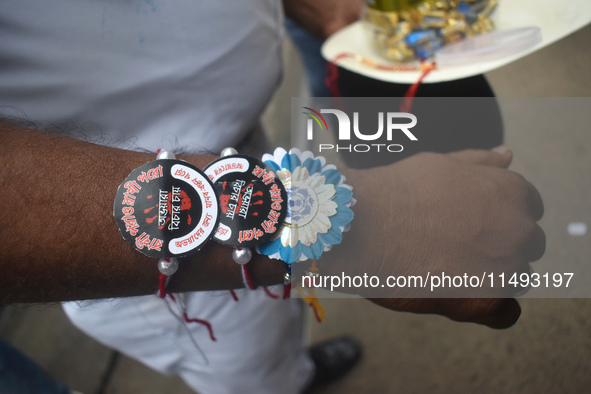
(166, 209)
(253, 204)
(290, 206)
(319, 209)
(319, 212)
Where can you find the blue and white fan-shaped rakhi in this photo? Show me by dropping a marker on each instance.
(319, 206)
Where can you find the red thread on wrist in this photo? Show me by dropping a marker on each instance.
(248, 278)
(162, 285)
(287, 291)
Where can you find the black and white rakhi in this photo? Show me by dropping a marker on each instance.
(253, 204)
(167, 209)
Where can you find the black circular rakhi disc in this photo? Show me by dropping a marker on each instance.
(253, 200)
(167, 208)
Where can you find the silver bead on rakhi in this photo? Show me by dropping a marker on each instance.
(242, 255)
(165, 155)
(168, 266)
(286, 278)
(228, 152)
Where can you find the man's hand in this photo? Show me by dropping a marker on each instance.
(457, 213)
(324, 17)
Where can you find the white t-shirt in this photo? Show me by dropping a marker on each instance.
(192, 74)
(161, 74)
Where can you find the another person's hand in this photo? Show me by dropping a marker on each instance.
(323, 17)
(459, 213)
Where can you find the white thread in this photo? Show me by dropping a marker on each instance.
(243, 271)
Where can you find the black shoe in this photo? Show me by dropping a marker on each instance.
(333, 360)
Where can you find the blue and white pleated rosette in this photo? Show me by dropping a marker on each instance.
(319, 206)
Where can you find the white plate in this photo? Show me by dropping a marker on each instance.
(556, 19)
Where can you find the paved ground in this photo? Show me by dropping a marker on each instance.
(549, 350)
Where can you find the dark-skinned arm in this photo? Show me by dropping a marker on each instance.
(59, 240)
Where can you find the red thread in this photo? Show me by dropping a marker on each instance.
(162, 285)
(195, 320)
(234, 296)
(332, 75)
(411, 93)
(331, 78)
(287, 291)
(274, 296)
(248, 278)
(200, 321)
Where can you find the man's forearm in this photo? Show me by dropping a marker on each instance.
(459, 212)
(59, 238)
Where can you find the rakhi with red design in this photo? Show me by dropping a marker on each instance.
(167, 209)
(253, 204)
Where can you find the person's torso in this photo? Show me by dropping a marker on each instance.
(191, 74)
